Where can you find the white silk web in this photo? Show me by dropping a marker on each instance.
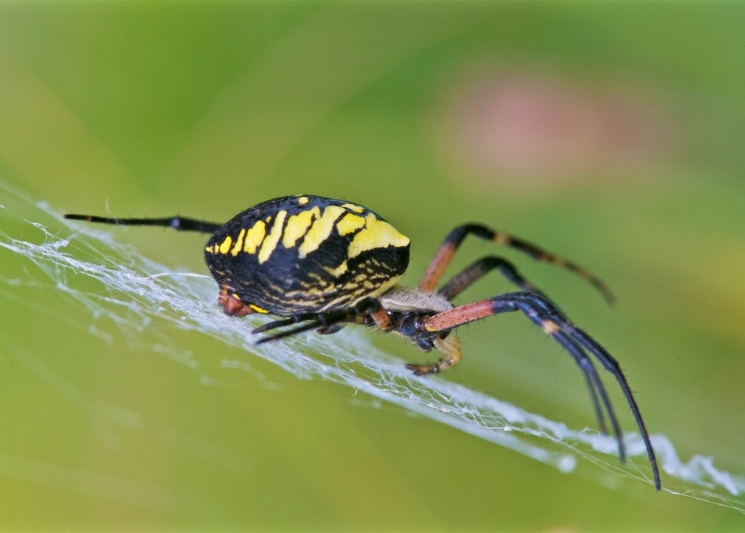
(134, 291)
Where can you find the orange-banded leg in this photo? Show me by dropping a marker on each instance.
(328, 321)
(447, 250)
(479, 269)
(553, 322)
(450, 346)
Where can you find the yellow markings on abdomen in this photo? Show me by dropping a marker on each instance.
(320, 230)
(225, 245)
(297, 225)
(338, 271)
(270, 243)
(254, 237)
(349, 224)
(377, 234)
(355, 208)
(238, 243)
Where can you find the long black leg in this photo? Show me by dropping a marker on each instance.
(596, 404)
(612, 366)
(610, 363)
(596, 388)
(479, 269)
(553, 322)
(550, 318)
(447, 250)
(556, 318)
(178, 223)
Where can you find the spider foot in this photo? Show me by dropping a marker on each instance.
(330, 330)
(424, 370)
(451, 346)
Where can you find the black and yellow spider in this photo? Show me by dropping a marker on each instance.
(324, 263)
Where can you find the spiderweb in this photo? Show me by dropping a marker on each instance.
(137, 290)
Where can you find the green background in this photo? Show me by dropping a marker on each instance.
(204, 109)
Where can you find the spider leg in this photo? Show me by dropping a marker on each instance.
(447, 250)
(281, 323)
(479, 269)
(327, 320)
(476, 271)
(596, 388)
(330, 330)
(553, 322)
(178, 223)
(609, 362)
(612, 366)
(546, 316)
(323, 320)
(596, 403)
(451, 347)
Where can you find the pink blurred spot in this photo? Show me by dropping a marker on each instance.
(521, 129)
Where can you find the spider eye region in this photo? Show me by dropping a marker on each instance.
(306, 254)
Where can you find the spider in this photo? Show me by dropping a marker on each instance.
(320, 263)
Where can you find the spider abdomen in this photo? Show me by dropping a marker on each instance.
(306, 254)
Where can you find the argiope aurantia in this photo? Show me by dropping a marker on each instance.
(322, 263)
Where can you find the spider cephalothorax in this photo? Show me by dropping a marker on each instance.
(321, 263)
